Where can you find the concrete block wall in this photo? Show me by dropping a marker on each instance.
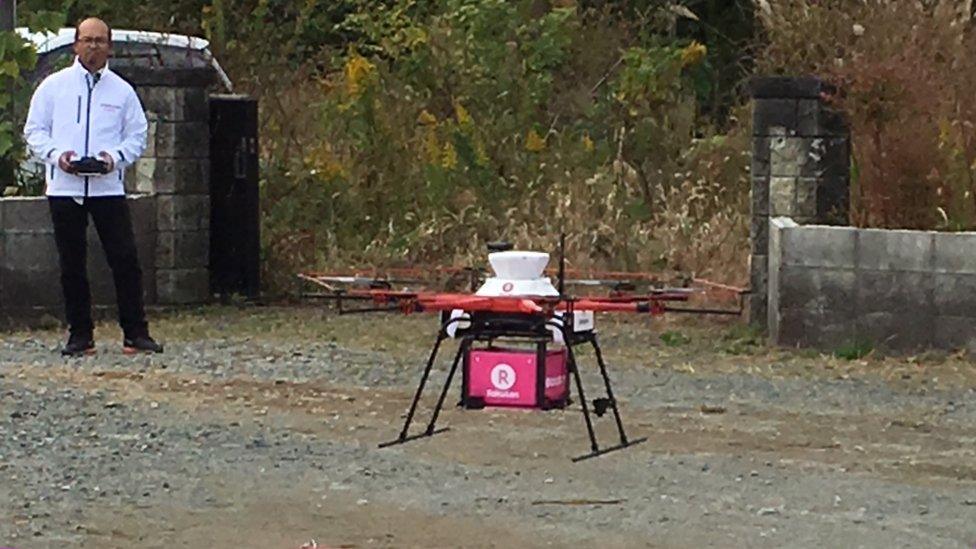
(29, 272)
(800, 168)
(898, 290)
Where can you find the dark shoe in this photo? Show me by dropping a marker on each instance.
(140, 344)
(78, 345)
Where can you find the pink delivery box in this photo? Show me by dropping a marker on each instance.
(510, 377)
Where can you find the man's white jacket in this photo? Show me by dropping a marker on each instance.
(74, 110)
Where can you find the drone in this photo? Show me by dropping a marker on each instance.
(516, 331)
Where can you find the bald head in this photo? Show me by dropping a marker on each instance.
(93, 24)
(93, 43)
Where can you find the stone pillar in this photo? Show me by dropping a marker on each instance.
(176, 169)
(800, 168)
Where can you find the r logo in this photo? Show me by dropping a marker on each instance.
(503, 377)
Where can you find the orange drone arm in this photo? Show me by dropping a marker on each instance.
(673, 295)
(410, 302)
(448, 302)
(653, 307)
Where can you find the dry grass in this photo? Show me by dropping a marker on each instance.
(905, 74)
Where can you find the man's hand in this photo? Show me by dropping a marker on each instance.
(109, 163)
(64, 162)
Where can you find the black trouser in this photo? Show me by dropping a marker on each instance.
(114, 227)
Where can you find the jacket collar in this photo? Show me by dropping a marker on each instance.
(77, 66)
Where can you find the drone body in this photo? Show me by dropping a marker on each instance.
(516, 334)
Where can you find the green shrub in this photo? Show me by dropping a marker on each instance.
(675, 339)
(440, 128)
(854, 350)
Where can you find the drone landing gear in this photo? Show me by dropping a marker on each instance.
(600, 405)
(430, 431)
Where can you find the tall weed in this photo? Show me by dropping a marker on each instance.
(905, 73)
(440, 128)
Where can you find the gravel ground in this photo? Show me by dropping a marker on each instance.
(258, 428)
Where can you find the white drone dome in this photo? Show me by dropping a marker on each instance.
(517, 265)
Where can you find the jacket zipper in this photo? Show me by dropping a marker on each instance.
(89, 85)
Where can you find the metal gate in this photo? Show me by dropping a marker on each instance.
(235, 238)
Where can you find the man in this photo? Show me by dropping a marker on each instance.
(79, 115)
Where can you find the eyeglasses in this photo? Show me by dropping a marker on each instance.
(94, 41)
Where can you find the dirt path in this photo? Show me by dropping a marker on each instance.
(254, 430)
